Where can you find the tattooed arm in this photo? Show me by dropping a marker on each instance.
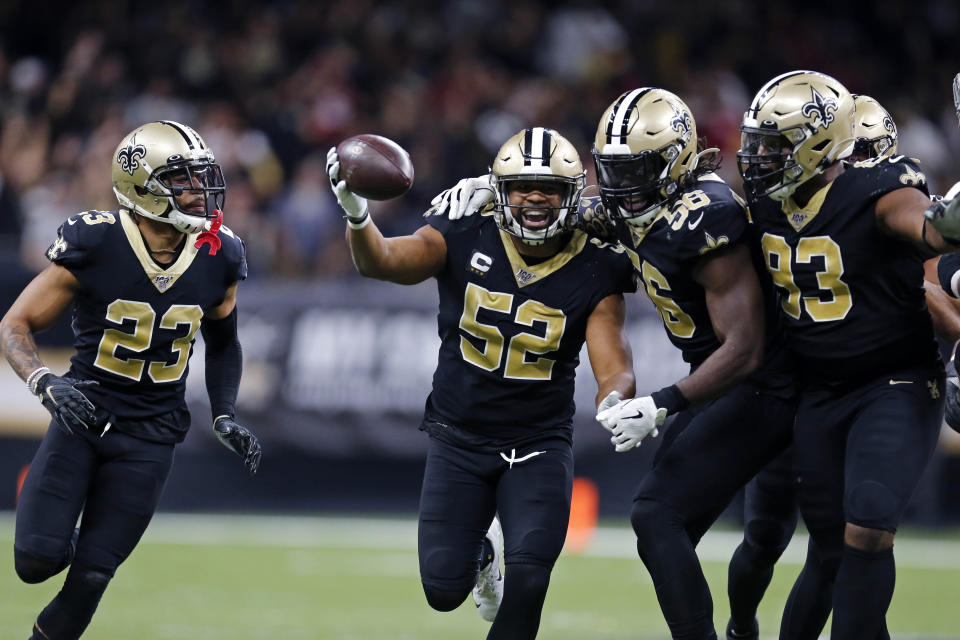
(36, 309)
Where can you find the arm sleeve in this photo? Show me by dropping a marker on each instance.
(224, 363)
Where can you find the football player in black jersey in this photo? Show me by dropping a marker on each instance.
(519, 296)
(845, 246)
(141, 281)
(689, 237)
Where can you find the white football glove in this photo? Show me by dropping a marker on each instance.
(465, 198)
(945, 218)
(353, 205)
(611, 400)
(632, 420)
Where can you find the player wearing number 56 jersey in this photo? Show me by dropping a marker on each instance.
(519, 296)
(845, 246)
(142, 281)
(688, 236)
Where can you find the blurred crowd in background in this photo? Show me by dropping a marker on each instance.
(272, 85)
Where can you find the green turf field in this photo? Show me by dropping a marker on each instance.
(245, 578)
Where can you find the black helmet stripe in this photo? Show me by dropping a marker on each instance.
(536, 147)
(620, 115)
(193, 140)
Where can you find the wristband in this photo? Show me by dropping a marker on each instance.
(34, 378)
(359, 223)
(671, 399)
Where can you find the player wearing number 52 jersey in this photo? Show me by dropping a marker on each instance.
(845, 246)
(142, 281)
(519, 296)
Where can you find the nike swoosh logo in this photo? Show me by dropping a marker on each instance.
(693, 225)
(71, 221)
(901, 382)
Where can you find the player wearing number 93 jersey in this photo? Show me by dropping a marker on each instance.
(845, 246)
(519, 297)
(142, 280)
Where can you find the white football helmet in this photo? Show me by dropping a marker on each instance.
(159, 161)
(798, 124)
(536, 155)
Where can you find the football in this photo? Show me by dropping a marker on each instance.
(375, 167)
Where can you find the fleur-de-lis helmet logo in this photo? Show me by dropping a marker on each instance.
(682, 123)
(820, 109)
(129, 157)
(888, 124)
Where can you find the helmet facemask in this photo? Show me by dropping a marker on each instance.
(636, 187)
(510, 217)
(775, 172)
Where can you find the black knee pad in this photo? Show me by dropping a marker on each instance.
(444, 599)
(872, 505)
(32, 569)
(766, 540)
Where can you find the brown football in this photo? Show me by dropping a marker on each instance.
(375, 167)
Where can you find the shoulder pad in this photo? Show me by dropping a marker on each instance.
(80, 235)
(894, 172)
(707, 218)
(235, 251)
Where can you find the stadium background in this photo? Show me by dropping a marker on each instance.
(337, 367)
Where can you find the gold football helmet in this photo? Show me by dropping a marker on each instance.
(159, 162)
(644, 151)
(798, 124)
(874, 130)
(536, 155)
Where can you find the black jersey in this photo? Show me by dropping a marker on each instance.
(852, 296)
(511, 331)
(134, 321)
(707, 217)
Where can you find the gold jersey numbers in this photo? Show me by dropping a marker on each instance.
(518, 365)
(674, 318)
(140, 339)
(779, 259)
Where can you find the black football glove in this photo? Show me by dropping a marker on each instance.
(66, 403)
(952, 405)
(240, 441)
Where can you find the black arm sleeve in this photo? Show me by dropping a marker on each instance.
(224, 362)
(948, 269)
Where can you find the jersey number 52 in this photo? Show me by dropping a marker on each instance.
(492, 354)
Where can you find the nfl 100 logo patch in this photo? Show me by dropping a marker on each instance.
(524, 276)
(162, 282)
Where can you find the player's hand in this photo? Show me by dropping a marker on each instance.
(240, 441)
(353, 205)
(631, 421)
(65, 401)
(612, 399)
(465, 198)
(952, 404)
(944, 215)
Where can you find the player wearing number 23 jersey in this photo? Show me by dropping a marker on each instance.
(140, 281)
(136, 322)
